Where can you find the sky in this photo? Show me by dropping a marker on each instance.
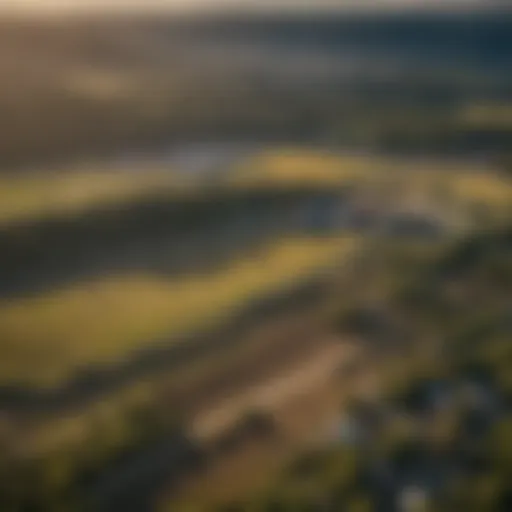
(202, 5)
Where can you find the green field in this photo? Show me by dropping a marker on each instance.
(46, 338)
(23, 197)
(26, 197)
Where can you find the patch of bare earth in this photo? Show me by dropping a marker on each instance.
(302, 395)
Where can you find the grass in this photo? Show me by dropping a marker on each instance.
(25, 197)
(293, 166)
(45, 339)
(409, 178)
(488, 115)
(487, 188)
(36, 195)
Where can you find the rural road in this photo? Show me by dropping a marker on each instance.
(274, 392)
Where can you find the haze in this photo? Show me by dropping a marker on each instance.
(32, 6)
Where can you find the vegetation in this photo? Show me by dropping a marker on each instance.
(108, 85)
(50, 337)
(46, 194)
(89, 294)
(459, 345)
(46, 339)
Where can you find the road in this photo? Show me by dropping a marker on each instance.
(274, 392)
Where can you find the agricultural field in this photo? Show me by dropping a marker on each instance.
(104, 318)
(71, 192)
(52, 335)
(424, 417)
(45, 338)
(256, 261)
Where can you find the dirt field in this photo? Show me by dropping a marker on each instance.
(303, 396)
(315, 368)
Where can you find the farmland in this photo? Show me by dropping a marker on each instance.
(232, 248)
(44, 338)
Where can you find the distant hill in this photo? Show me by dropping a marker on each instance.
(97, 85)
